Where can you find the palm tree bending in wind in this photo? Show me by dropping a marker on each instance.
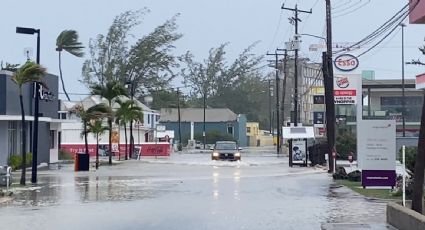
(68, 41)
(110, 91)
(27, 73)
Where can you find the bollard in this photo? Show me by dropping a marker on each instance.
(8, 170)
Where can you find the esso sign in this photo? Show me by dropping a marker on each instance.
(346, 62)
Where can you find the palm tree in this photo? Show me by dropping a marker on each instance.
(110, 91)
(96, 127)
(126, 113)
(27, 73)
(68, 41)
(95, 112)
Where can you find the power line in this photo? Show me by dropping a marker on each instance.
(379, 31)
(339, 14)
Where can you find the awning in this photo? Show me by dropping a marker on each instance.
(298, 132)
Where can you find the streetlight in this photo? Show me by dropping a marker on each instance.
(179, 117)
(402, 80)
(24, 30)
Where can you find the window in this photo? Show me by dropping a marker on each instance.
(248, 129)
(230, 129)
(413, 106)
(52, 139)
(12, 138)
(149, 118)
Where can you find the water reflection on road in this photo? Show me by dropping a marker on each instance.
(137, 195)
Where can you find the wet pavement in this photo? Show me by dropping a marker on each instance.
(189, 191)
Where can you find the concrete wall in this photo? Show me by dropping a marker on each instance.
(3, 142)
(404, 218)
(239, 130)
(9, 98)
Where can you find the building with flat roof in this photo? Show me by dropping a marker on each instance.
(10, 119)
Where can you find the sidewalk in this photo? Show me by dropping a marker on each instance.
(353, 226)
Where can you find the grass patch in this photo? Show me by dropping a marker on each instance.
(373, 193)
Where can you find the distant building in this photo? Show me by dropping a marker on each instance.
(72, 141)
(309, 77)
(10, 119)
(221, 120)
(257, 137)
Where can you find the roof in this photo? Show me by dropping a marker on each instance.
(95, 100)
(387, 83)
(298, 132)
(197, 115)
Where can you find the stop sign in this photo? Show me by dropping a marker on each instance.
(334, 153)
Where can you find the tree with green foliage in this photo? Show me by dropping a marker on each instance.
(239, 86)
(68, 41)
(148, 63)
(110, 91)
(418, 180)
(96, 127)
(127, 112)
(167, 98)
(28, 73)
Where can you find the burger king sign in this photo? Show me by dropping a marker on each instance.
(345, 88)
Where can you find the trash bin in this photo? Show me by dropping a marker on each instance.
(82, 162)
(4, 174)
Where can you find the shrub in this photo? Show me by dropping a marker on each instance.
(410, 157)
(346, 143)
(65, 155)
(15, 161)
(213, 136)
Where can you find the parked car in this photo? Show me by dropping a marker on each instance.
(226, 150)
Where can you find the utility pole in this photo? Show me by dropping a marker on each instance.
(296, 20)
(403, 102)
(285, 74)
(179, 147)
(270, 107)
(205, 104)
(329, 91)
(278, 126)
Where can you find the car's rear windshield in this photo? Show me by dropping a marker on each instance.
(225, 146)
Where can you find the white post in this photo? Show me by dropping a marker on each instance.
(8, 169)
(404, 175)
(192, 130)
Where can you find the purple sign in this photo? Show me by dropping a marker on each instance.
(378, 178)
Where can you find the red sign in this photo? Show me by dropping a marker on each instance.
(155, 149)
(334, 153)
(344, 92)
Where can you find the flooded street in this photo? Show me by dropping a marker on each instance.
(188, 191)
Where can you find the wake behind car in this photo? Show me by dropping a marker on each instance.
(226, 150)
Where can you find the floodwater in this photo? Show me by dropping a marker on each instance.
(188, 191)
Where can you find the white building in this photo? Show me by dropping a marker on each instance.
(72, 140)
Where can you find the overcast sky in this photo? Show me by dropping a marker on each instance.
(205, 24)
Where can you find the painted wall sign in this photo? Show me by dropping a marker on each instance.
(346, 62)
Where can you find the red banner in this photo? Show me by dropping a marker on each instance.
(344, 92)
